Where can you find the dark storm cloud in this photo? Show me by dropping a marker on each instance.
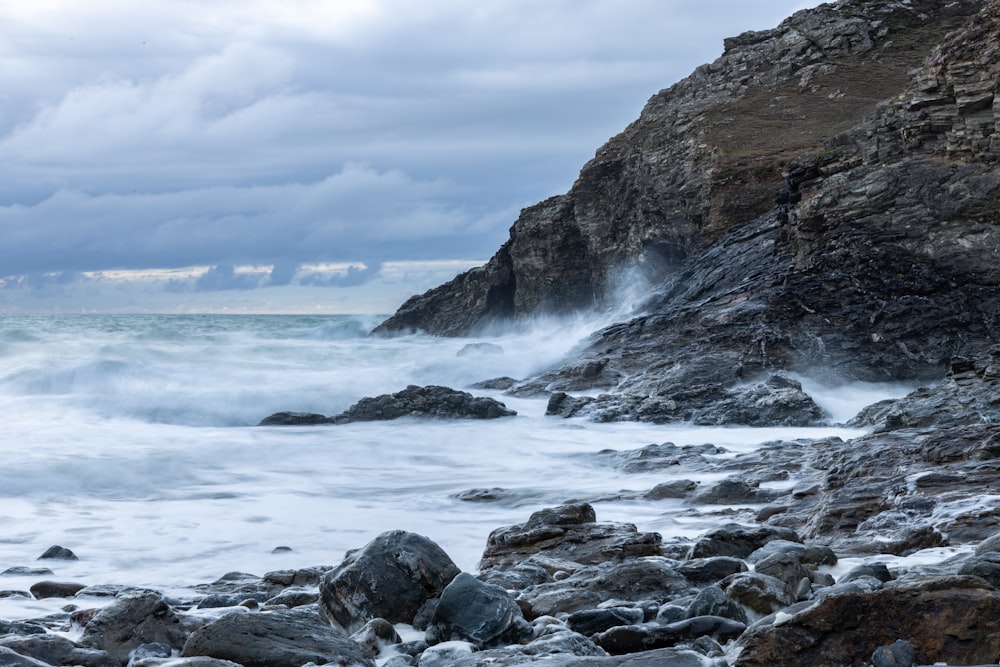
(220, 133)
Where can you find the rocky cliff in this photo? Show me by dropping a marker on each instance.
(822, 197)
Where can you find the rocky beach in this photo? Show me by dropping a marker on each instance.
(818, 205)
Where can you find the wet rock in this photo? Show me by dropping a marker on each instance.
(739, 541)
(760, 593)
(478, 613)
(954, 619)
(391, 577)
(784, 567)
(20, 628)
(183, 662)
(985, 566)
(568, 532)
(495, 384)
(446, 654)
(876, 570)
(295, 419)
(897, 654)
(135, 617)
(57, 650)
(57, 552)
(591, 621)
(151, 650)
(429, 401)
(712, 601)
(275, 639)
(735, 492)
(375, 635)
(778, 401)
(990, 544)
(55, 589)
(812, 554)
(638, 638)
(637, 579)
(711, 570)
(293, 597)
(679, 488)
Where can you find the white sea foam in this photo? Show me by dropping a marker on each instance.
(130, 440)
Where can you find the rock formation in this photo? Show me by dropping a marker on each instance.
(822, 197)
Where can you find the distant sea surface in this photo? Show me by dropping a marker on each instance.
(132, 441)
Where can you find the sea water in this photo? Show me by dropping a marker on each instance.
(132, 441)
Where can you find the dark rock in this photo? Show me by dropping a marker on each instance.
(56, 650)
(563, 405)
(739, 541)
(648, 578)
(712, 601)
(985, 566)
(151, 650)
(295, 419)
(20, 628)
(711, 570)
(785, 567)
(101, 591)
(135, 617)
(472, 611)
(473, 349)
(637, 638)
(877, 571)
(57, 552)
(990, 544)
(679, 488)
(293, 597)
(307, 576)
(591, 621)
(391, 577)
(779, 401)
(734, 492)
(182, 662)
(760, 593)
(275, 639)
(897, 654)
(55, 589)
(954, 619)
(569, 532)
(812, 554)
(429, 401)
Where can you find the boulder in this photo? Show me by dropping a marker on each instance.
(56, 650)
(952, 620)
(739, 541)
(591, 621)
(650, 578)
(57, 552)
(288, 638)
(637, 638)
(295, 419)
(55, 589)
(429, 401)
(11, 658)
(135, 617)
(472, 611)
(569, 532)
(391, 577)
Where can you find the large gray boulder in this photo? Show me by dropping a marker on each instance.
(135, 617)
(287, 638)
(479, 613)
(391, 577)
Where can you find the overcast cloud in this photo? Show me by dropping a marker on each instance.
(171, 155)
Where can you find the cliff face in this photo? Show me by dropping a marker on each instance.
(880, 261)
(705, 156)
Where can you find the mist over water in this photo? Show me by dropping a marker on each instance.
(131, 441)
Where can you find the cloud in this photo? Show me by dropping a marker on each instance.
(224, 133)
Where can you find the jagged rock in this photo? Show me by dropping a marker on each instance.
(568, 532)
(429, 401)
(649, 578)
(391, 577)
(295, 419)
(948, 619)
(135, 617)
(760, 593)
(712, 601)
(679, 488)
(739, 541)
(275, 639)
(472, 611)
(735, 492)
(57, 552)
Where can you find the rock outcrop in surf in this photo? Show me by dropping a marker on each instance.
(823, 196)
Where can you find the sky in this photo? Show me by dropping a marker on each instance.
(309, 156)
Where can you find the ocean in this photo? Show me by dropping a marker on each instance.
(132, 441)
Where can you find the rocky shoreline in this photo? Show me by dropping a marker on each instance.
(768, 586)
